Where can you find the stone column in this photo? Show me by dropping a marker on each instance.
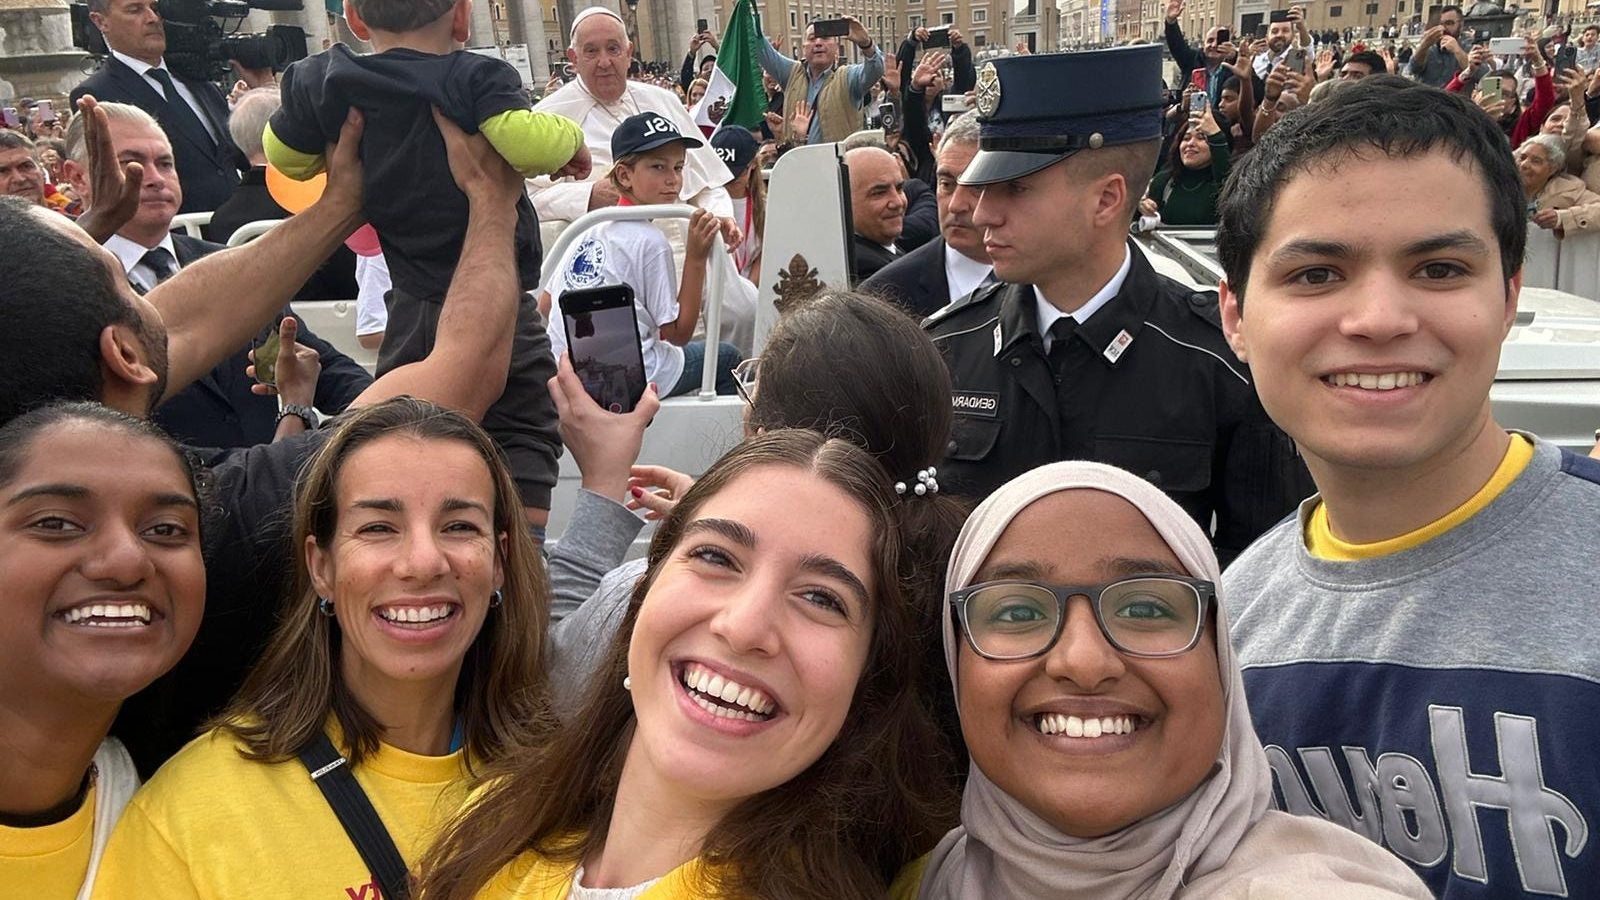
(37, 58)
(482, 26)
(527, 27)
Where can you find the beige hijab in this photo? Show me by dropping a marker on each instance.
(1206, 844)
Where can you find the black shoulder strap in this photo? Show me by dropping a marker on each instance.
(331, 772)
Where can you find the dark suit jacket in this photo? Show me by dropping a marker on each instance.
(868, 258)
(220, 411)
(915, 281)
(335, 280)
(208, 169)
(922, 216)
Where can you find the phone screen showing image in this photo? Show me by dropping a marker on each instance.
(603, 344)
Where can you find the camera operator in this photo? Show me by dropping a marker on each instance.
(193, 114)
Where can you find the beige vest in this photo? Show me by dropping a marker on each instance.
(840, 118)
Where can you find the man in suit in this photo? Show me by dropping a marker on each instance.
(336, 278)
(877, 209)
(954, 265)
(193, 114)
(221, 409)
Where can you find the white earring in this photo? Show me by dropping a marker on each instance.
(627, 682)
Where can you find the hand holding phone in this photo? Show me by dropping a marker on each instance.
(603, 343)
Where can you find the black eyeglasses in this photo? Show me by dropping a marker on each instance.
(744, 379)
(1143, 615)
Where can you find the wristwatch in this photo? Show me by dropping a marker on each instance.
(306, 414)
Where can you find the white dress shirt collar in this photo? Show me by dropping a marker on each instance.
(963, 273)
(1048, 313)
(131, 255)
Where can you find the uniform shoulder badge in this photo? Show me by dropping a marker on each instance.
(988, 90)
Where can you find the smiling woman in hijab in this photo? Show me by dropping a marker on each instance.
(1112, 752)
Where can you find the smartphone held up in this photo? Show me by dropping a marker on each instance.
(603, 343)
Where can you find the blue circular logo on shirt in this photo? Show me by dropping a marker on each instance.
(587, 262)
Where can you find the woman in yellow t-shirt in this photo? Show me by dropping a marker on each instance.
(413, 640)
(756, 729)
(103, 587)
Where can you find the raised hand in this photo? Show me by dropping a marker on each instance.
(928, 69)
(115, 188)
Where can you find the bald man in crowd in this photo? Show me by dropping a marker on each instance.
(877, 210)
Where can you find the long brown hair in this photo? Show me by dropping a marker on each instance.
(286, 700)
(873, 801)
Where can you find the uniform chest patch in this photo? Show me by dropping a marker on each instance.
(1118, 345)
(975, 403)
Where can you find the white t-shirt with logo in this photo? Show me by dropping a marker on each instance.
(636, 254)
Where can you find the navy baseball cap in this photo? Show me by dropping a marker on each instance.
(646, 131)
(736, 147)
(1035, 110)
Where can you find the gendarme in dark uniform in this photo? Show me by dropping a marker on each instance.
(1138, 375)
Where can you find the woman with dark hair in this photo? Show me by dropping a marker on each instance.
(409, 651)
(1186, 190)
(1113, 755)
(104, 589)
(843, 364)
(754, 730)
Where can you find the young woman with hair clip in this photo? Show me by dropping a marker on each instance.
(104, 588)
(410, 651)
(843, 364)
(755, 729)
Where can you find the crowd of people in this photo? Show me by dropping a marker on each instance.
(1035, 573)
(1248, 82)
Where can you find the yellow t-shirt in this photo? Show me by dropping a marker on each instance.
(909, 881)
(48, 862)
(212, 824)
(1322, 544)
(532, 877)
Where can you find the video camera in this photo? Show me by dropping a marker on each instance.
(202, 37)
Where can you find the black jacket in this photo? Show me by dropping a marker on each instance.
(334, 280)
(220, 411)
(867, 258)
(208, 169)
(921, 223)
(1150, 385)
(916, 281)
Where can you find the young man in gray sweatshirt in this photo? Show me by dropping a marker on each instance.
(1421, 643)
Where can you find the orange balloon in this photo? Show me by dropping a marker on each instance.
(295, 196)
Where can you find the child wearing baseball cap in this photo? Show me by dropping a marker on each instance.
(649, 156)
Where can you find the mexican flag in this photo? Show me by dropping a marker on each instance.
(735, 95)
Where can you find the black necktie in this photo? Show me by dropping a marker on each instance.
(180, 107)
(1060, 339)
(160, 262)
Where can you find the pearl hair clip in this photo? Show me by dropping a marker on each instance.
(926, 484)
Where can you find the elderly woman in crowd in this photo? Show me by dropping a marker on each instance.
(1569, 120)
(755, 731)
(409, 651)
(1113, 755)
(104, 587)
(1556, 200)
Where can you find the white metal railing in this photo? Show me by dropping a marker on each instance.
(1570, 264)
(249, 231)
(715, 274)
(191, 223)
